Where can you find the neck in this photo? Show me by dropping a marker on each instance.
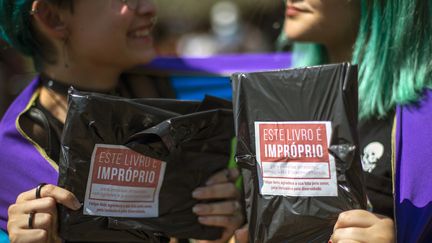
(340, 53)
(100, 79)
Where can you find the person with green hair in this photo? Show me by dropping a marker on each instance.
(391, 43)
(87, 44)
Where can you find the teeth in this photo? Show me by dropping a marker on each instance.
(141, 33)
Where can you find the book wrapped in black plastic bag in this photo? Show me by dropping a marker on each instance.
(134, 164)
(298, 150)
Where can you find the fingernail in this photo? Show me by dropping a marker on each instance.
(198, 209)
(197, 193)
(202, 219)
(76, 204)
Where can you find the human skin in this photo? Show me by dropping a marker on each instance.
(94, 44)
(359, 226)
(332, 23)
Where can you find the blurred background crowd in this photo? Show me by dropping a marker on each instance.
(184, 28)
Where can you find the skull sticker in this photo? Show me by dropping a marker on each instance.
(371, 154)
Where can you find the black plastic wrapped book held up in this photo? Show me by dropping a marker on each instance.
(134, 164)
(298, 150)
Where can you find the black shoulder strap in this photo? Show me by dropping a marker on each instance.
(38, 117)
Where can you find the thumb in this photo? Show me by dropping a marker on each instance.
(242, 235)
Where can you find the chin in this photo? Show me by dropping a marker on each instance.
(144, 57)
(293, 36)
(291, 33)
(146, 60)
(297, 30)
(300, 34)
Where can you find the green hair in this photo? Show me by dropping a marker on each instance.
(15, 26)
(309, 54)
(17, 30)
(393, 50)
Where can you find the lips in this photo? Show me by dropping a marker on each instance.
(292, 11)
(141, 32)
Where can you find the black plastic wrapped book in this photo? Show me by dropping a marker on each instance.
(134, 164)
(298, 150)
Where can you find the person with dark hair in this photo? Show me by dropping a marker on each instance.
(87, 44)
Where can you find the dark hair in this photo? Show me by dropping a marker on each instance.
(17, 29)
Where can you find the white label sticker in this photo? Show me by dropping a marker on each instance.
(293, 159)
(123, 183)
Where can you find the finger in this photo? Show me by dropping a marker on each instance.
(355, 218)
(219, 208)
(45, 216)
(218, 191)
(61, 196)
(43, 205)
(221, 221)
(345, 241)
(349, 241)
(352, 234)
(242, 235)
(29, 236)
(225, 238)
(44, 221)
(226, 175)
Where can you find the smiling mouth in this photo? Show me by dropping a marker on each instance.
(140, 33)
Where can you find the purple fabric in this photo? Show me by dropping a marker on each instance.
(22, 167)
(221, 64)
(413, 177)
